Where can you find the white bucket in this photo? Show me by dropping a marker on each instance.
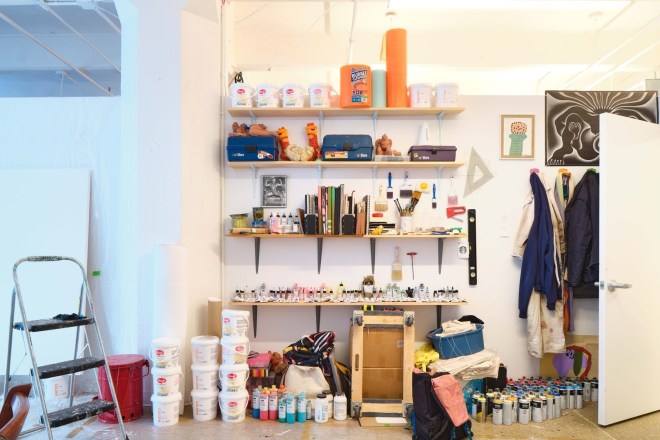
(267, 96)
(446, 94)
(235, 349)
(420, 95)
(204, 377)
(164, 352)
(241, 95)
(56, 388)
(293, 95)
(166, 409)
(204, 405)
(166, 380)
(235, 322)
(204, 349)
(233, 377)
(233, 405)
(319, 95)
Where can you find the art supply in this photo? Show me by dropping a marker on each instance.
(263, 404)
(434, 201)
(507, 409)
(497, 412)
(232, 406)
(329, 399)
(397, 271)
(290, 408)
(165, 409)
(204, 349)
(256, 393)
(302, 407)
(446, 94)
(204, 404)
(272, 404)
(241, 95)
(380, 204)
(164, 352)
(452, 198)
(165, 380)
(340, 409)
(406, 189)
(293, 95)
(523, 411)
(378, 88)
(390, 190)
(396, 65)
(355, 86)
(412, 262)
(420, 95)
(319, 95)
(267, 96)
(321, 409)
(281, 410)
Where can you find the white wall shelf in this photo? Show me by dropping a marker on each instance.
(253, 112)
(341, 164)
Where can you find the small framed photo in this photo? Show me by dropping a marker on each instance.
(273, 191)
(517, 137)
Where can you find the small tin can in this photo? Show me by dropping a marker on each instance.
(507, 412)
(481, 410)
(571, 397)
(497, 412)
(594, 391)
(475, 399)
(586, 385)
(544, 407)
(514, 409)
(537, 410)
(523, 411)
(551, 406)
(563, 397)
(579, 396)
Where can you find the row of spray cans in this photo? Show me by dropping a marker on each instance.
(286, 407)
(536, 401)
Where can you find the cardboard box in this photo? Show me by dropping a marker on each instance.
(383, 347)
(382, 383)
(585, 350)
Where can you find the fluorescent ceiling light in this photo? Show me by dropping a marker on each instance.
(591, 5)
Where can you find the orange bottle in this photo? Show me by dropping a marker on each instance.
(355, 86)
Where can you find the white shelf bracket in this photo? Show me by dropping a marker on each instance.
(253, 118)
(440, 116)
(373, 181)
(254, 181)
(321, 117)
(319, 174)
(438, 178)
(374, 123)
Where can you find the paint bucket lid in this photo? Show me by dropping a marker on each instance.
(166, 399)
(205, 340)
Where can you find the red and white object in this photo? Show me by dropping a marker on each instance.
(235, 322)
(166, 380)
(233, 377)
(204, 349)
(235, 349)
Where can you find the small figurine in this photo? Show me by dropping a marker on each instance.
(313, 139)
(283, 136)
(384, 147)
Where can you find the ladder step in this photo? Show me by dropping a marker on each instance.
(79, 412)
(68, 367)
(42, 325)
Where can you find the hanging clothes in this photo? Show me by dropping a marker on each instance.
(564, 190)
(582, 229)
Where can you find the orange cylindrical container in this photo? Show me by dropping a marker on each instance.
(396, 61)
(355, 86)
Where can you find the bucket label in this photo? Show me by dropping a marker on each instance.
(161, 380)
(226, 320)
(232, 376)
(159, 352)
(240, 91)
(232, 404)
(240, 348)
(290, 91)
(358, 75)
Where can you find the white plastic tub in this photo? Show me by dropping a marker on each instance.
(164, 352)
(56, 388)
(420, 95)
(233, 405)
(204, 377)
(267, 96)
(235, 322)
(166, 409)
(166, 380)
(446, 94)
(235, 350)
(293, 95)
(204, 349)
(241, 95)
(233, 377)
(204, 405)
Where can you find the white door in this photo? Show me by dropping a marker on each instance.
(629, 316)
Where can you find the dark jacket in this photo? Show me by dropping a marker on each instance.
(582, 232)
(538, 266)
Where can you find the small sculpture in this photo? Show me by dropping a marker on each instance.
(384, 147)
(283, 136)
(313, 139)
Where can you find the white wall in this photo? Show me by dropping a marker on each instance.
(498, 205)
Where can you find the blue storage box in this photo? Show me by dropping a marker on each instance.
(348, 147)
(460, 344)
(251, 148)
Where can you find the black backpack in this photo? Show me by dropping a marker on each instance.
(430, 420)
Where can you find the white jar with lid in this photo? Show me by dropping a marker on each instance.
(321, 409)
(340, 406)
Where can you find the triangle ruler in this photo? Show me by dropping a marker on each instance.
(471, 185)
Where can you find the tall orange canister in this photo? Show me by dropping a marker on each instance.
(355, 86)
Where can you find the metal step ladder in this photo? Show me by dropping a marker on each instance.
(73, 412)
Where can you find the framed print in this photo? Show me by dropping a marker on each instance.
(572, 128)
(517, 137)
(273, 191)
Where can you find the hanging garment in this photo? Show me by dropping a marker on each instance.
(582, 228)
(564, 190)
(545, 328)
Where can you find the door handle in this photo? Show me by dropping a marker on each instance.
(613, 285)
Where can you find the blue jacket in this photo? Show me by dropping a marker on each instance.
(538, 266)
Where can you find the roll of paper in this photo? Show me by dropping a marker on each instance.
(378, 88)
(214, 322)
(396, 62)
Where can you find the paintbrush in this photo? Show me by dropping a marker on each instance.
(434, 202)
(390, 190)
(412, 262)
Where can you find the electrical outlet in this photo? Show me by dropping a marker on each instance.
(463, 249)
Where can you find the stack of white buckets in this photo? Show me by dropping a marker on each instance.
(234, 371)
(204, 368)
(166, 373)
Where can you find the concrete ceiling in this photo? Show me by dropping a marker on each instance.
(72, 47)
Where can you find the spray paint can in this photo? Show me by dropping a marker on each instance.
(497, 412)
(544, 407)
(481, 409)
(523, 411)
(490, 395)
(563, 398)
(556, 395)
(572, 392)
(586, 385)
(514, 409)
(475, 398)
(549, 398)
(579, 395)
(537, 410)
(594, 390)
(507, 412)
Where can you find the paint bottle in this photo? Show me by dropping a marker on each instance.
(537, 409)
(563, 397)
(310, 412)
(544, 407)
(290, 408)
(281, 410)
(557, 397)
(340, 407)
(330, 399)
(514, 409)
(572, 392)
(523, 411)
(355, 86)
(255, 402)
(475, 399)
(490, 395)
(272, 404)
(263, 404)
(302, 407)
(321, 409)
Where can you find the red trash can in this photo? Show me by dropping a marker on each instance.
(127, 373)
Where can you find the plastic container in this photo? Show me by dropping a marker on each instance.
(233, 405)
(460, 344)
(233, 377)
(293, 95)
(204, 405)
(235, 350)
(166, 409)
(267, 96)
(241, 95)
(235, 322)
(321, 409)
(204, 377)
(340, 407)
(166, 380)
(164, 352)
(355, 86)
(56, 388)
(319, 95)
(446, 94)
(127, 372)
(420, 95)
(204, 349)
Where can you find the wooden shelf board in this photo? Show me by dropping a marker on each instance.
(339, 164)
(355, 304)
(336, 111)
(291, 236)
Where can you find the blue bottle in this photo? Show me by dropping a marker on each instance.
(302, 407)
(281, 410)
(290, 408)
(255, 402)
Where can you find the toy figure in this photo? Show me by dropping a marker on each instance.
(384, 147)
(313, 139)
(283, 136)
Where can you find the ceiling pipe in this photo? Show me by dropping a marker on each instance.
(52, 52)
(107, 19)
(618, 67)
(82, 37)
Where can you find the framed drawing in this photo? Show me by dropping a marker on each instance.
(572, 130)
(273, 191)
(517, 137)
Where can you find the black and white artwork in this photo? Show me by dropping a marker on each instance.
(572, 131)
(273, 191)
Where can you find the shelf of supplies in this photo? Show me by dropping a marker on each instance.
(253, 112)
(318, 306)
(319, 244)
(339, 164)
